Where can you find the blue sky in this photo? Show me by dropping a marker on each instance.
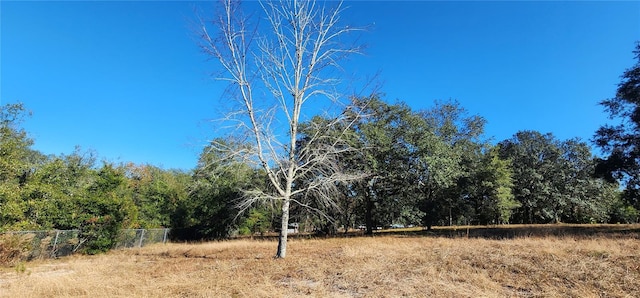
(127, 79)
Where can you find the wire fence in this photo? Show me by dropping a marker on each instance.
(58, 243)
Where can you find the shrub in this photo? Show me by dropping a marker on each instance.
(98, 234)
(13, 249)
(624, 214)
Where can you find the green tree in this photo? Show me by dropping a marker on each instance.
(156, 193)
(414, 162)
(17, 161)
(554, 180)
(588, 198)
(105, 210)
(386, 138)
(622, 141)
(449, 161)
(494, 186)
(55, 186)
(69, 192)
(257, 221)
(210, 210)
(14, 144)
(500, 189)
(535, 160)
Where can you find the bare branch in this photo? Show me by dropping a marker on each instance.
(288, 62)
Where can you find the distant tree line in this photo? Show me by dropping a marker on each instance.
(414, 168)
(422, 168)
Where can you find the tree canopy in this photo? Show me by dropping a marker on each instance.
(621, 141)
(373, 164)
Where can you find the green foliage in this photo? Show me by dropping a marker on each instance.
(620, 141)
(430, 166)
(69, 191)
(486, 189)
(502, 188)
(414, 161)
(104, 212)
(387, 142)
(257, 222)
(554, 180)
(157, 193)
(13, 249)
(14, 144)
(12, 209)
(209, 211)
(623, 213)
(16, 160)
(447, 162)
(535, 172)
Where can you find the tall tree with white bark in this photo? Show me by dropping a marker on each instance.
(275, 72)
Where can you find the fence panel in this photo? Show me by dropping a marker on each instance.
(65, 243)
(58, 243)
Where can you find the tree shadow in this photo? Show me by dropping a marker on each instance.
(611, 231)
(524, 231)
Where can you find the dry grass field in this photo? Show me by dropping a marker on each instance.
(387, 265)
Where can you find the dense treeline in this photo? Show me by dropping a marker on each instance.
(433, 167)
(621, 140)
(427, 167)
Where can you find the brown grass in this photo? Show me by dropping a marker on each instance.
(13, 249)
(382, 266)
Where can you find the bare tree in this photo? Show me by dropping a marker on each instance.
(275, 70)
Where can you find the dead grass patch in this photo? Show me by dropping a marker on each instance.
(13, 249)
(381, 266)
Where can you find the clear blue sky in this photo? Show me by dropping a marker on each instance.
(127, 79)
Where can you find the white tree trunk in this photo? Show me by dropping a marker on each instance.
(284, 228)
(293, 57)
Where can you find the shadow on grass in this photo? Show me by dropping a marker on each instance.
(493, 232)
(522, 231)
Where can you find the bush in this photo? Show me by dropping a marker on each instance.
(98, 234)
(624, 214)
(13, 249)
(256, 223)
(101, 221)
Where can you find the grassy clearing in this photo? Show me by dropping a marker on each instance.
(388, 265)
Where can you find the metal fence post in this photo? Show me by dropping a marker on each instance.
(164, 237)
(141, 237)
(55, 244)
